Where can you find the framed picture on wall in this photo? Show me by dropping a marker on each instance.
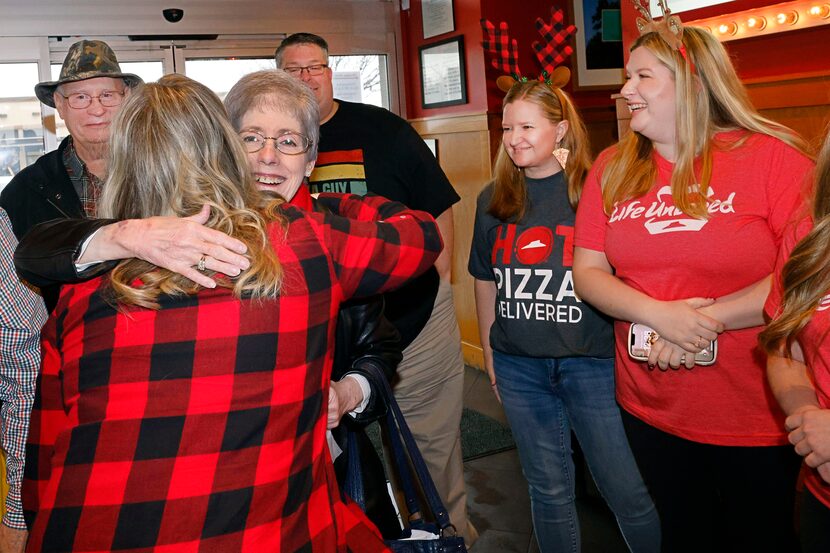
(442, 73)
(598, 55)
(437, 17)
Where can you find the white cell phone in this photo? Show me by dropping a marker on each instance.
(641, 338)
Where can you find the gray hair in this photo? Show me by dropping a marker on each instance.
(276, 89)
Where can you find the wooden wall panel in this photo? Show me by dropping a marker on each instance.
(811, 121)
(800, 101)
(601, 124)
(464, 153)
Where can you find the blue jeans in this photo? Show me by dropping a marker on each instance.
(544, 399)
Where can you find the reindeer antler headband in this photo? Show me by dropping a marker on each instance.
(551, 53)
(669, 27)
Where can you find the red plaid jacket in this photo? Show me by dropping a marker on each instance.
(201, 426)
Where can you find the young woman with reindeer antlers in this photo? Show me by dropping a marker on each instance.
(550, 357)
(678, 230)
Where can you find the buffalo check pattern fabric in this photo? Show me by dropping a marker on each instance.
(201, 426)
(498, 41)
(554, 35)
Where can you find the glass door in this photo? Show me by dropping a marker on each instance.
(29, 128)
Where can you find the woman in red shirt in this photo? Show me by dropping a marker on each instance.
(798, 366)
(678, 230)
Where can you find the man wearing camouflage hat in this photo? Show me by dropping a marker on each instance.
(67, 182)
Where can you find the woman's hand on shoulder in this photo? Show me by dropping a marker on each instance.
(681, 323)
(182, 245)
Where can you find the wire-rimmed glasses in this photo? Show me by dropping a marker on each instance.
(289, 143)
(82, 100)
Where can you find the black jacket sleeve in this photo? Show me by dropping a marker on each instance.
(364, 337)
(46, 254)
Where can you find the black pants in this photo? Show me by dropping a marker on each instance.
(717, 498)
(814, 522)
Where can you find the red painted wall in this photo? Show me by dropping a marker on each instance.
(778, 54)
(481, 76)
(467, 14)
(521, 23)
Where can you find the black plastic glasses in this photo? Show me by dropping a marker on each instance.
(314, 70)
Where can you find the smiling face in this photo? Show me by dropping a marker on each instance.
(273, 170)
(650, 95)
(91, 125)
(529, 138)
(305, 55)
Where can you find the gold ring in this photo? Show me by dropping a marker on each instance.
(201, 265)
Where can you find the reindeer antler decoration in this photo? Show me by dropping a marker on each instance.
(670, 28)
(547, 54)
(498, 41)
(550, 53)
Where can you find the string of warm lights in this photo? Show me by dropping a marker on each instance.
(787, 16)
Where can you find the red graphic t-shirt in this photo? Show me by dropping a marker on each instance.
(814, 343)
(660, 251)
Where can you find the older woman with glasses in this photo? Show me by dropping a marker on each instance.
(276, 117)
(179, 417)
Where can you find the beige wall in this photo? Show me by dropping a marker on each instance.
(464, 153)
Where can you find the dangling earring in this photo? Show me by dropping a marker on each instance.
(561, 155)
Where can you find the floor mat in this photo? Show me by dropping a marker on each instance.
(480, 435)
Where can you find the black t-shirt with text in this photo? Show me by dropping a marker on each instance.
(538, 314)
(365, 149)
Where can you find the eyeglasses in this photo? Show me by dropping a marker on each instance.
(82, 100)
(313, 70)
(290, 143)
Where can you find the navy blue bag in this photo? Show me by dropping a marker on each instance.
(405, 451)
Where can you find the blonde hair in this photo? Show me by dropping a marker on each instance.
(709, 98)
(509, 201)
(805, 278)
(172, 151)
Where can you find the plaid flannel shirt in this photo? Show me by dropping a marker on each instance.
(87, 185)
(22, 313)
(201, 426)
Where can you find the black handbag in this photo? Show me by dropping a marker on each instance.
(403, 445)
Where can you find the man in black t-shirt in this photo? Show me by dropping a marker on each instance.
(368, 149)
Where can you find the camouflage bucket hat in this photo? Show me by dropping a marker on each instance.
(86, 59)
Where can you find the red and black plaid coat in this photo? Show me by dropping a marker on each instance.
(201, 426)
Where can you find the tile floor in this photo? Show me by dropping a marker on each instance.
(497, 494)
